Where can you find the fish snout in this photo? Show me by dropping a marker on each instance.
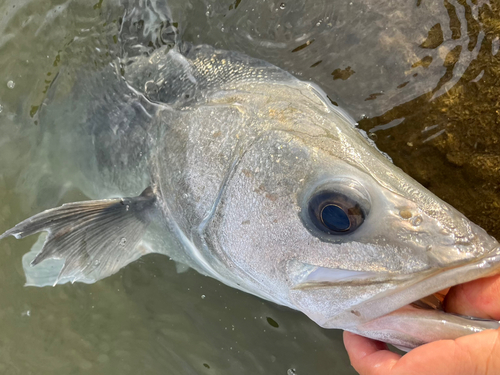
(461, 244)
(446, 236)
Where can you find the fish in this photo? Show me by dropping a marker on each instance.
(255, 178)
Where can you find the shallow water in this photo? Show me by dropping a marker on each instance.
(421, 77)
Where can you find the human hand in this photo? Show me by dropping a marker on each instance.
(477, 354)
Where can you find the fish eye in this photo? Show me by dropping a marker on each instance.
(335, 213)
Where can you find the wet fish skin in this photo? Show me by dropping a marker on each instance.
(263, 146)
(239, 149)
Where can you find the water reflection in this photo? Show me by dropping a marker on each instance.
(421, 77)
(371, 57)
(448, 139)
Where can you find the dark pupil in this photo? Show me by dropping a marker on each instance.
(335, 213)
(335, 219)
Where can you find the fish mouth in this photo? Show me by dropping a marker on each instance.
(424, 290)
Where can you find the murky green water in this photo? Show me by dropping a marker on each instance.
(421, 77)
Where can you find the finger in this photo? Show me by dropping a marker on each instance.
(369, 357)
(474, 354)
(479, 298)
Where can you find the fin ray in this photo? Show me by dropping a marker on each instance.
(94, 239)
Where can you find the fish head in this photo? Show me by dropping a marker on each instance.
(315, 218)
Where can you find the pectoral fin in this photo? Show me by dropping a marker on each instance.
(89, 240)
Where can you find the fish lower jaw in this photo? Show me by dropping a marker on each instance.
(408, 312)
(410, 326)
(423, 319)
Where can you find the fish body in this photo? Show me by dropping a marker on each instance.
(255, 178)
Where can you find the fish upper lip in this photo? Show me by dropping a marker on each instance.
(353, 278)
(410, 287)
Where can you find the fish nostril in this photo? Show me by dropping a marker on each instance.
(405, 214)
(417, 220)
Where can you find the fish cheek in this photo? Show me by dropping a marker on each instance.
(257, 227)
(257, 236)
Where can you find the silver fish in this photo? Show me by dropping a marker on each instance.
(255, 178)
